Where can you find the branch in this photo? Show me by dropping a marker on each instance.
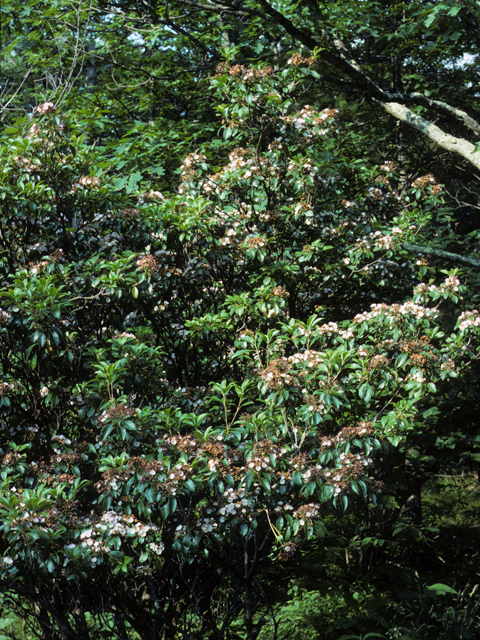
(191, 37)
(459, 146)
(25, 77)
(467, 120)
(298, 34)
(223, 8)
(439, 253)
(343, 59)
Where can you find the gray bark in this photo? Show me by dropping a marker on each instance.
(439, 253)
(459, 146)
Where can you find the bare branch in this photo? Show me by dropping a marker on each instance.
(24, 79)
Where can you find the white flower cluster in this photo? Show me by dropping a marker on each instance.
(310, 122)
(232, 503)
(281, 506)
(377, 239)
(114, 524)
(259, 463)
(125, 334)
(385, 242)
(468, 320)
(376, 194)
(192, 159)
(452, 283)
(6, 561)
(388, 166)
(151, 196)
(207, 525)
(62, 439)
(88, 181)
(5, 316)
(157, 548)
(6, 388)
(179, 329)
(306, 513)
(308, 357)
(395, 311)
(46, 107)
(416, 310)
(332, 328)
(417, 376)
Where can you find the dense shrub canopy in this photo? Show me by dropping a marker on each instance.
(193, 379)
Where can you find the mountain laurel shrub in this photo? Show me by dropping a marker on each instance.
(192, 380)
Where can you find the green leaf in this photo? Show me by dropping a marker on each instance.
(190, 485)
(265, 482)
(51, 566)
(365, 392)
(133, 181)
(442, 589)
(119, 183)
(401, 360)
